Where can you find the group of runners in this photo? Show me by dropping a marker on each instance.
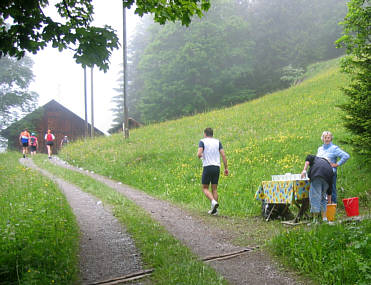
(27, 140)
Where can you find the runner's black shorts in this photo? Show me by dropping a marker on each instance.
(49, 143)
(25, 144)
(33, 148)
(210, 174)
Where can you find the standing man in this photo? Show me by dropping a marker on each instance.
(24, 138)
(209, 151)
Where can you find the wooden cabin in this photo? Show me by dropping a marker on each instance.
(61, 121)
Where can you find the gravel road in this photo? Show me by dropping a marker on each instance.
(106, 250)
(251, 267)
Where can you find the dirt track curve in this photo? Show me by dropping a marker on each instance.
(106, 250)
(250, 267)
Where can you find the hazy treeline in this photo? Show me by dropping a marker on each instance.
(237, 51)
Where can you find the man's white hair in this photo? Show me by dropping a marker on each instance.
(325, 133)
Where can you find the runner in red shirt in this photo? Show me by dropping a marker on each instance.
(49, 138)
(34, 144)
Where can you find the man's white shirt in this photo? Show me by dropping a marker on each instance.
(211, 153)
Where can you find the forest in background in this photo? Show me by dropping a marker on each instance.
(238, 51)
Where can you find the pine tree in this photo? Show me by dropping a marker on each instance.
(357, 64)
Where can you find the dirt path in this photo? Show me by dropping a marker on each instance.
(106, 250)
(253, 267)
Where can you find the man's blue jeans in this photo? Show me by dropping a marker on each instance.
(318, 195)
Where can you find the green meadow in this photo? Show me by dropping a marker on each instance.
(266, 136)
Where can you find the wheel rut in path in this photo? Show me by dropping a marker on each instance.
(253, 267)
(106, 250)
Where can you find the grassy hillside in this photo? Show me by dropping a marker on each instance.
(269, 135)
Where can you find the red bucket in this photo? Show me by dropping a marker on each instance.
(351, 206)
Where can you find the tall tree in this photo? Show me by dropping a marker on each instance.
(15, 97)
(357, 63)
(31, 29)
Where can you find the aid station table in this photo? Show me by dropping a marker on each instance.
(284, 193)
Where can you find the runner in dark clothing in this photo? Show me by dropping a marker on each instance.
(64, 141)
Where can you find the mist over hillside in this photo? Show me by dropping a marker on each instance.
(238, 51)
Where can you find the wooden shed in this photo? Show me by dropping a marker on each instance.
(61, 121)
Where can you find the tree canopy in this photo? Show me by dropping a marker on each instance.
(15, 78)
(237, 51)
(31, 29)
(188, 70)
(357, 63)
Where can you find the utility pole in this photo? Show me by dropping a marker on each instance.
(92, 104)
(86, 106)
(126, 117)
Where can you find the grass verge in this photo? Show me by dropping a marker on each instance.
(38, 233)
(173, 262)
(339, 254)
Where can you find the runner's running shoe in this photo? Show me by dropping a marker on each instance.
(214, 207)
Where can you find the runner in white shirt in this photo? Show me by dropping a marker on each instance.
(209, 150)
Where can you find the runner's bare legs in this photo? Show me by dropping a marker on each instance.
(208, 194)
